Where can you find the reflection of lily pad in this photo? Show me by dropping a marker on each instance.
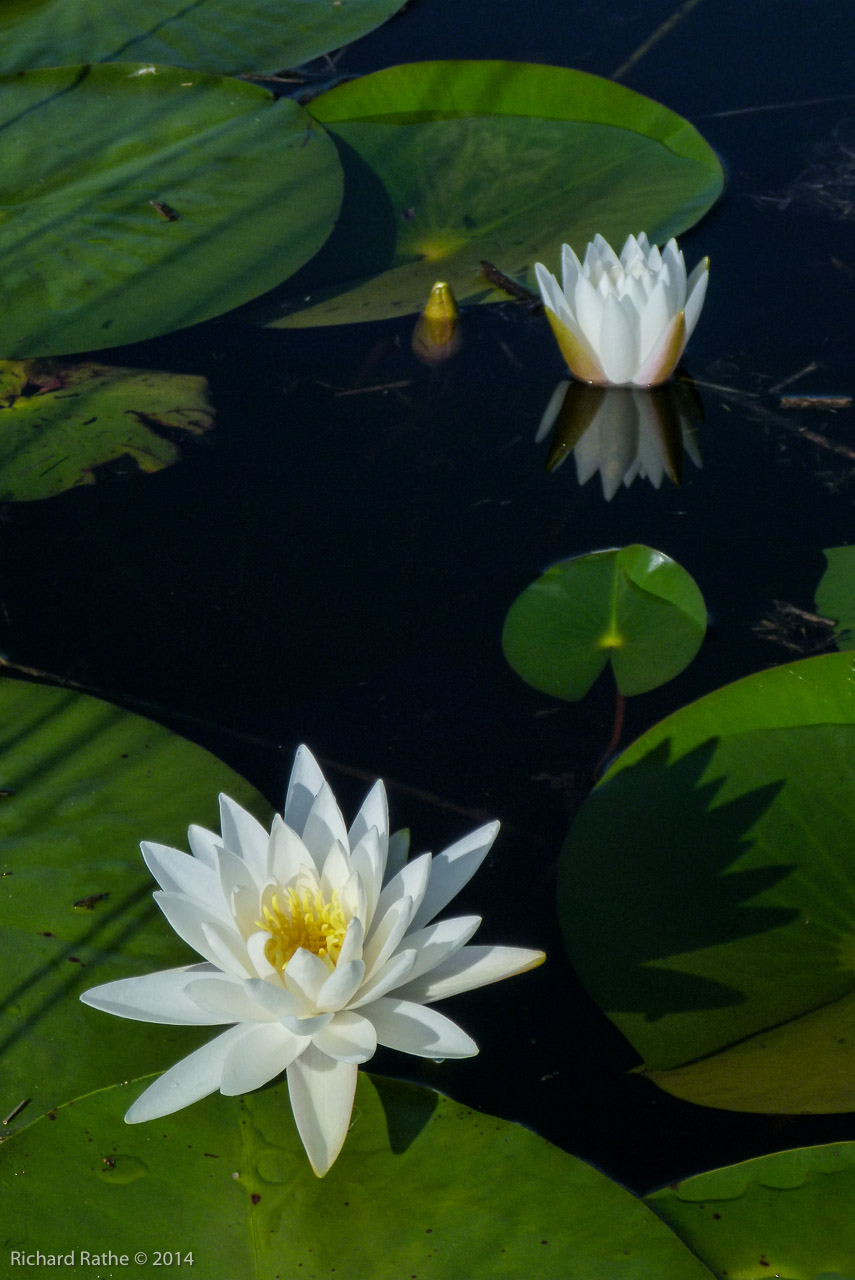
(716, 856)
(59, 422)
(215, 35)
(453, 162)
(424, 1187)
(137, 200)
(633, 607)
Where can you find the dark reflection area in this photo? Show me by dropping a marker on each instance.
(334, 561)
(623, 433)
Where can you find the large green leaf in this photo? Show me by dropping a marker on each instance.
(449, 163)
(835, 595)
(59, 422)
(632, 606)
(716, 857)
(140, 199)
(788, 1214)
(214, 35)
(424, 1187)
(81, 783)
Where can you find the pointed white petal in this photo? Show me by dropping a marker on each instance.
(654, 319)
(324, 826)
(374, 812)
(245, 836)
(452, 869)
(273, 997)
(696, 291)
(588, 310)
(618, 349)
(187, 916)
(336, 869)
(399, 851)
(368, 860)
(348, 1038)
(665, 356)
(321, 1092)
(192, 1078)
(289, 857)
(472, 967)
(154, 997)
(340, 986)
(305, 974)
(258, 1057)
(401, 1024)
(351, 948)
(226, 949)
(386, 977)
(439, 941)
(410, 882)
(305, 782)
(571, 268)
(307, 1026)
(389, 929)
(231, 999)
(255, 948)
(178, 872)
(205, 846)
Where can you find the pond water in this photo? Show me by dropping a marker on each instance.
(334, 561)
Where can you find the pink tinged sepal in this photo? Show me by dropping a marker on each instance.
(665, 356)
(578, 356)
(321, 1090)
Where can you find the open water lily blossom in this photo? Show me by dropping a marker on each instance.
(623, 321)
(319, 943)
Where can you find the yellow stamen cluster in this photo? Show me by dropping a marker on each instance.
(309, 921)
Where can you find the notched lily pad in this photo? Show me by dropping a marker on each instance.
(61, 422)
(490, 160)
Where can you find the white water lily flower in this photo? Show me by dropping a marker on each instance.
(318, 945)
(624, 320)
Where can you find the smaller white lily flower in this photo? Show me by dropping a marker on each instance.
(623, 321)
(318, 945)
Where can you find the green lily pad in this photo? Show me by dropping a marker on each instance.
(449, 163)
(423, 1187)
(139, 199)
(227, 36)
(835, 595)
(788, 1214)
(728, 909)
(633, 607)
(81, 783)
(59, 422)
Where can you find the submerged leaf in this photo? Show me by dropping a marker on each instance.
(64, 421)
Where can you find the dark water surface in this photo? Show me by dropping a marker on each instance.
(336, 568)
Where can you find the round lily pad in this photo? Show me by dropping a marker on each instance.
(633, 607)
(450, 163)
(140, 199)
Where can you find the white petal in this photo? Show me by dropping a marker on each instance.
(321, 1092)
(305, 974)
(178, 872)
(618, 349)
(571, 268)
(231, 999)
(472, 967)
(340, 986)
(676, 264)
(192, 1078)
(205, 846)
(439, 941)
(258, 1057)
(351, 948)
(401, 1024)
(186, 916)
(389, 929)
(587, 307)
(289, 857)
(410, 882)
(304, 784)
(245, 836)
(226, 949)
(452, 869)
(255, 954)
(654, 320)
(336, 869)
(374, 812)
(696, 291)
(278, 1002)
(348, 1038)
(307, 1026)
(240, 891)
(324, 826)
(548, 285)
(368, 860)
(386, 977)
(154, 997)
